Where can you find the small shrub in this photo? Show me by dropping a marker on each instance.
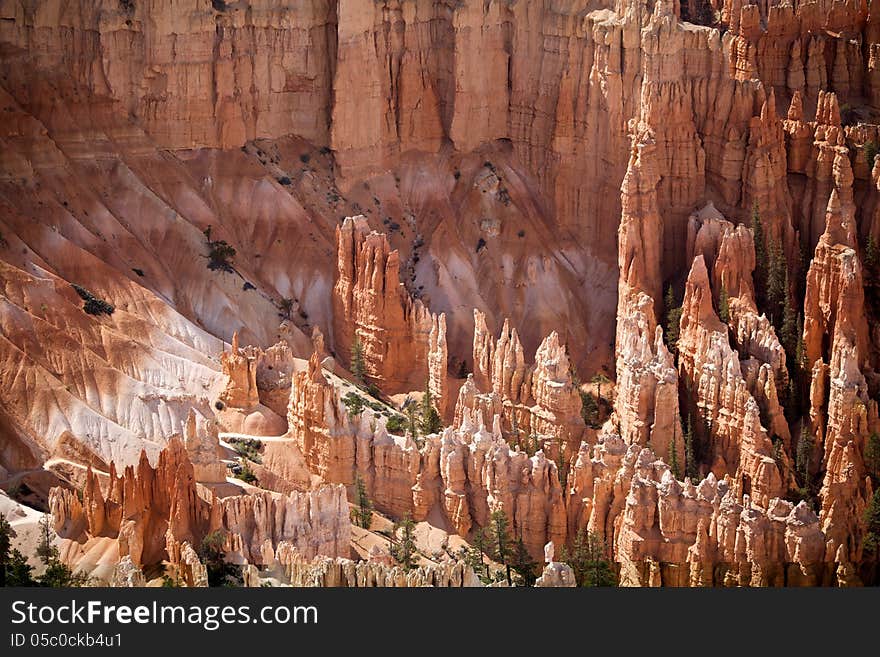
(247, 474)
(481, 244)
(871, 150)
(396, 424)
(354, 404)
(304, 158)
(92, 304)
(284, 180)
(220, 253)
(247, 448)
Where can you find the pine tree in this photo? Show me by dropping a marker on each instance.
(45, 550)
(673, 318)
(803, 458)
(788, 333)
(599, 379)
(777, 284)
(690, 461)
(403, 549)
(475, 554)
(212, 554)
(561, 463)
(5, 547)
(872, 259)
(358, 367)
(760, 257)
(588, 560)
(872, 525)
(673, 459)
(723, 305)
(18, 571)
(589, 409)
(502, 546)
(872, 457)
(430, 421)
(412, 424)
(523, 564)
(364, 512)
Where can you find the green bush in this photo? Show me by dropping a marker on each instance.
(248, 448)
(92, 304)
(396, 424)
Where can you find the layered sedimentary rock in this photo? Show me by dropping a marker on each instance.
(202, 443)
(729, 252)
(736, 442)
(836, 334)
(466, 472)
(663, 532)
(398, 335)
(531, 399)
(646, 402)
(257, 388)
(323, 571)
(155, 512)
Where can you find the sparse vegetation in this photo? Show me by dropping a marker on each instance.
(247, 474)
(403, 545)
(589, 409)
(523, 564)
(358, 366)
(723, 305)
(354, 404)
(588, 560)
(396, 424)
(248, 448)
(871, 149)
(363, 513)
(672, 308)
(430, 419)
(92, 304)
(872, 458)
(500, 541)
(212, 554)
(220, 253)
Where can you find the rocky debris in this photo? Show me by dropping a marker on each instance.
(126, 574)
(556, 574)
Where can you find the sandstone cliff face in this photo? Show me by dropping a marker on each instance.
(257, 388)
(465, 473)
(646, 402)
(398, 335)
(155, 513)
(836, 345)
(663, 532)
(500, 145)
(323, 571)
(736, 442)
(530, 399)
